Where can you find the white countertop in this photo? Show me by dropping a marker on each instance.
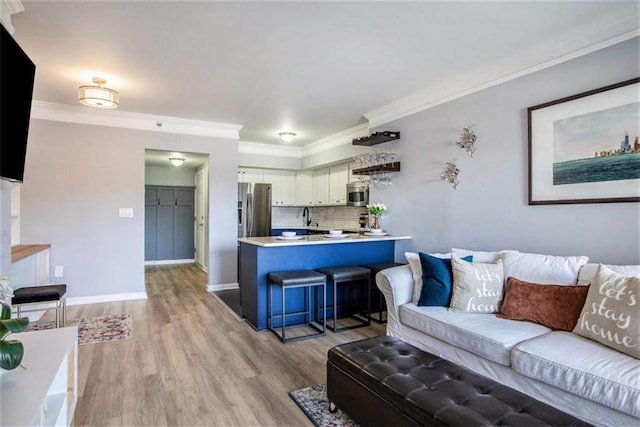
(316, 240)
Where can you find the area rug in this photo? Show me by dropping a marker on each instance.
(313, 402)
(101, 329)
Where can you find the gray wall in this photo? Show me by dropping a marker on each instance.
(5, 229)
(489, 210)
(169, 175)
(76, 178)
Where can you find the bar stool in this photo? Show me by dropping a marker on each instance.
(377, 299)
(40, 295)
(350, 274)
(306, 279)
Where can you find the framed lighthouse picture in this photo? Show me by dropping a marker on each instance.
(585, 148)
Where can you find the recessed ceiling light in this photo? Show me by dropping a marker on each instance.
(287, 136)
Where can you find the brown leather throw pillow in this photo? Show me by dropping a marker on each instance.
(554, 306)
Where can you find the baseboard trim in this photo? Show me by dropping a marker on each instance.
(170, 262)
(202, 267)
(222, 287)
(106, 298)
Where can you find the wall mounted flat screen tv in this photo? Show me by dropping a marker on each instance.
(17, 73)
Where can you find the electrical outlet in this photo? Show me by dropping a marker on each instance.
(58, 271)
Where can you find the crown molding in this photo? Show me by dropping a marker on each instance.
(122, 119)
(515, 67)
(337, 139)
(248, 147)
(8, 8)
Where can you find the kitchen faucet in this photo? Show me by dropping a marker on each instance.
(306, 213)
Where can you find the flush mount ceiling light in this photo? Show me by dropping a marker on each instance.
(287, 136)
(98, 96)
(177, 161)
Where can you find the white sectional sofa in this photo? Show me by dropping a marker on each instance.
(591, 381)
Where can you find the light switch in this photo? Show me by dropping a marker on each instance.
(126, 212)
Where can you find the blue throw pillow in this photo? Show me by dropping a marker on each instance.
(437, 280)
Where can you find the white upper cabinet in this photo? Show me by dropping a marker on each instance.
(250, 175)
(338, 178)
(283, 187)
(304, 189)
(321, 187)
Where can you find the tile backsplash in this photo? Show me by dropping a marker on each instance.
(341, 217)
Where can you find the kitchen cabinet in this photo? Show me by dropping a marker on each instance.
(304, 189)
(320, 181)
(338, 177)
(283, 187)
(250, 175)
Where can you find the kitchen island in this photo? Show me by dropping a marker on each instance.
(261, 255)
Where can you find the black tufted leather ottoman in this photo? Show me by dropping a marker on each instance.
(384, 381)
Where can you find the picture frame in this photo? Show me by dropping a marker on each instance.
(585, 148)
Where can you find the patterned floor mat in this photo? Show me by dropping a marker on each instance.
(109, 328)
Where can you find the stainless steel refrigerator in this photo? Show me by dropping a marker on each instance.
(254, 209)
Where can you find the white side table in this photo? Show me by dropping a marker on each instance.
(46, 392)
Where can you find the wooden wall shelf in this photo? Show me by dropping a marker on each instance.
(372, 170)
(376, 138)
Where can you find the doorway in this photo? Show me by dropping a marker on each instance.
(186, 181)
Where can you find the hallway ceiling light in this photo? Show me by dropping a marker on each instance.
(177, 161)
(98, 96)
(287, 136)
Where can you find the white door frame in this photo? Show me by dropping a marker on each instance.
(202, 217)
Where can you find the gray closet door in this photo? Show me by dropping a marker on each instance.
(169, 223)
(150, 223)
(183, 238)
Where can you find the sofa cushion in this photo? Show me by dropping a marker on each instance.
(437, 280)
(599, 374)
(477, 286)
(554, 306)
(536, 268)
(480, 256)
(611, 314)
(416, 271)
(482, 334)
(588, 271)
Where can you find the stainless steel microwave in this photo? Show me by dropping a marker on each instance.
(357, 194)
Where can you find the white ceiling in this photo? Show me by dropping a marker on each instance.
(314, 68)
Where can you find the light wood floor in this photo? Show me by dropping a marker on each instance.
(191, 362)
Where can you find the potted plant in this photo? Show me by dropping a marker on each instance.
(11, 351)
